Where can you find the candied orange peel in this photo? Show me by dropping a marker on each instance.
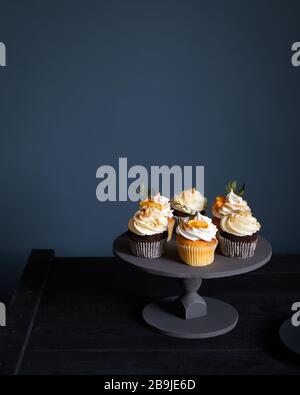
(193, 223)
(171, 223)
(220, 201)
(150, 203)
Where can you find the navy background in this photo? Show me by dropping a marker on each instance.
(160, 82)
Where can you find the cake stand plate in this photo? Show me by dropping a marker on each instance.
(190, 315)
(290, 336)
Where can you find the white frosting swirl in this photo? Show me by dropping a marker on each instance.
(233, 203)
(163, 201)
(148, 221)
(190, 201)
(206, 233)
(240, 224)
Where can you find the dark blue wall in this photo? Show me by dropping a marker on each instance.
(160, 82)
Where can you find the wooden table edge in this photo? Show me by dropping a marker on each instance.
(22, 311)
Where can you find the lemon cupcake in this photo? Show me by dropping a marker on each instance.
(238, 234)
(151, 227)
(229, 204)
(196, 240)
(188, 203)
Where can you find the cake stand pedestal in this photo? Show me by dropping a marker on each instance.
(290, 336)
(190, 315)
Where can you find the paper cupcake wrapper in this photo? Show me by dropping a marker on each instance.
(237, 249)
(196, 255)
(147, 249)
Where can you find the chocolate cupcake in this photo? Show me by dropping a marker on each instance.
(188, 204)
(238, 235)
(150, 229)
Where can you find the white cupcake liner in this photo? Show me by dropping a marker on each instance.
(147, 249)
(236, 249)
(196, 256)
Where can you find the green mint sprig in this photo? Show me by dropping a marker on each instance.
(232, 186)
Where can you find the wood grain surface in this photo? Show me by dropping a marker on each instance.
(86, 319)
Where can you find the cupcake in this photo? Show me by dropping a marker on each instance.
(160, 202)
(188, 203)
(238, 234)
(151, 227)
(229, 204)
(196, 240)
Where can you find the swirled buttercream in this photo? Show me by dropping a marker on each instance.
(148, 221)
(190, 201)
(240, 224)
(160, 202)
(230, 204)
(199, 228)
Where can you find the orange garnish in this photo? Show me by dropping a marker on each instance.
(194, 223)
(219, 202)
(171, 223)
(150, 203)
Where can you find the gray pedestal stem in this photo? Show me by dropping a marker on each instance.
(190, 304)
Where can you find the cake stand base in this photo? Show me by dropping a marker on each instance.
(163, 317)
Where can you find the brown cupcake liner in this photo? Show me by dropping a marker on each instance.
(147, 249)
(237, 249)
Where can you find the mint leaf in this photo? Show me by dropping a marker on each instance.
(233, 186)
(242, 190)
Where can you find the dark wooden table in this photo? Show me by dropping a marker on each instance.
(83, 316)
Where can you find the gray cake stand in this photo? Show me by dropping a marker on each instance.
(290, 336)
(190, 315)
